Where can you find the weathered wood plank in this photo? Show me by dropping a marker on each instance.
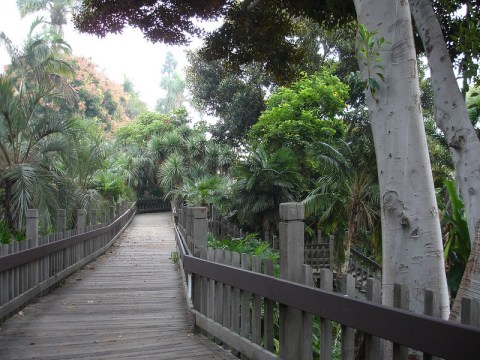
(269, 332)
(326, 283)
(256, 306)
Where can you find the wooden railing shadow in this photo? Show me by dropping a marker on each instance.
(234, 298)
(34, 266)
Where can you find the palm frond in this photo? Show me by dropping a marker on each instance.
(24, 180)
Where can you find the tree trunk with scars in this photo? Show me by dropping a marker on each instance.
(412, 242)
(452, 118)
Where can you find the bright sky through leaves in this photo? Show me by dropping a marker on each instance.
(126, 54)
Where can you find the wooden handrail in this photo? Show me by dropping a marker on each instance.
(52, 262)
(366, 259)
(430, 335)
(226, 299)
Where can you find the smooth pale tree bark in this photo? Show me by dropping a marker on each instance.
(452, 118)
(470, 284)
(412, 242)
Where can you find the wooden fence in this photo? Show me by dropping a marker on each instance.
(234, 299)
(152, 205)
(319, 253)
(31, 267)
(220, 228)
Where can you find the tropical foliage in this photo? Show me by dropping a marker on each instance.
(34, 133)
(263, 182)
(54, 152)
(281, 78)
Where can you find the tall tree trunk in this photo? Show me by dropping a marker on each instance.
(351, 236)
(412, 242)
(452, 118)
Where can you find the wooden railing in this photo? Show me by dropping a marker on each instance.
(31, 267)
(319, 254)
(152, 205)
(234, 303)
(362, 268)
(220, 228)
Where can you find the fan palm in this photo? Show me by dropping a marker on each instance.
(347, 195)
(202, 191)
(263, 182)
(32, 132)
(219, 157)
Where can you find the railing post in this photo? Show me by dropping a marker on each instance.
(198, 230)
(81, 220)
(184, 220)
(32, 226)
(103, 217)
(93, 218)
(112, 214)
(180, 219)
(188, 226)
(291, 231)
(61, 220)
(32, 276)
(214, 219)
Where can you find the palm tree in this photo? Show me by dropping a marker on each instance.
(58, 10)
(33, 131)
(263, 182)
(171, 174)
(346, 196)
(203, 191)
(219, 157)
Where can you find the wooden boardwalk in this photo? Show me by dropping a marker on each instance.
(129, 303)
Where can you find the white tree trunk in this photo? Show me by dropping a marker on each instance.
(452, 118)
(451, 112)
(412, 243)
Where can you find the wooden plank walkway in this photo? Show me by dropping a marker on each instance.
(129, 303)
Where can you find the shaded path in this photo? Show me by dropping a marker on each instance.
(129, 303)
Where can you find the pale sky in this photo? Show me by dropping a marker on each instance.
(126, 54)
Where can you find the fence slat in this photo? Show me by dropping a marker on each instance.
(470, 311)
(373, 344)
(268, 322)
(256, 306)
(326, 283)
(400, 352)
(245, 325)
(211, 288)
(218, 317)
(307, 331)
(348, 334)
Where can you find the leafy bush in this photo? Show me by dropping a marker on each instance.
(249, 244)
(6, 236)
